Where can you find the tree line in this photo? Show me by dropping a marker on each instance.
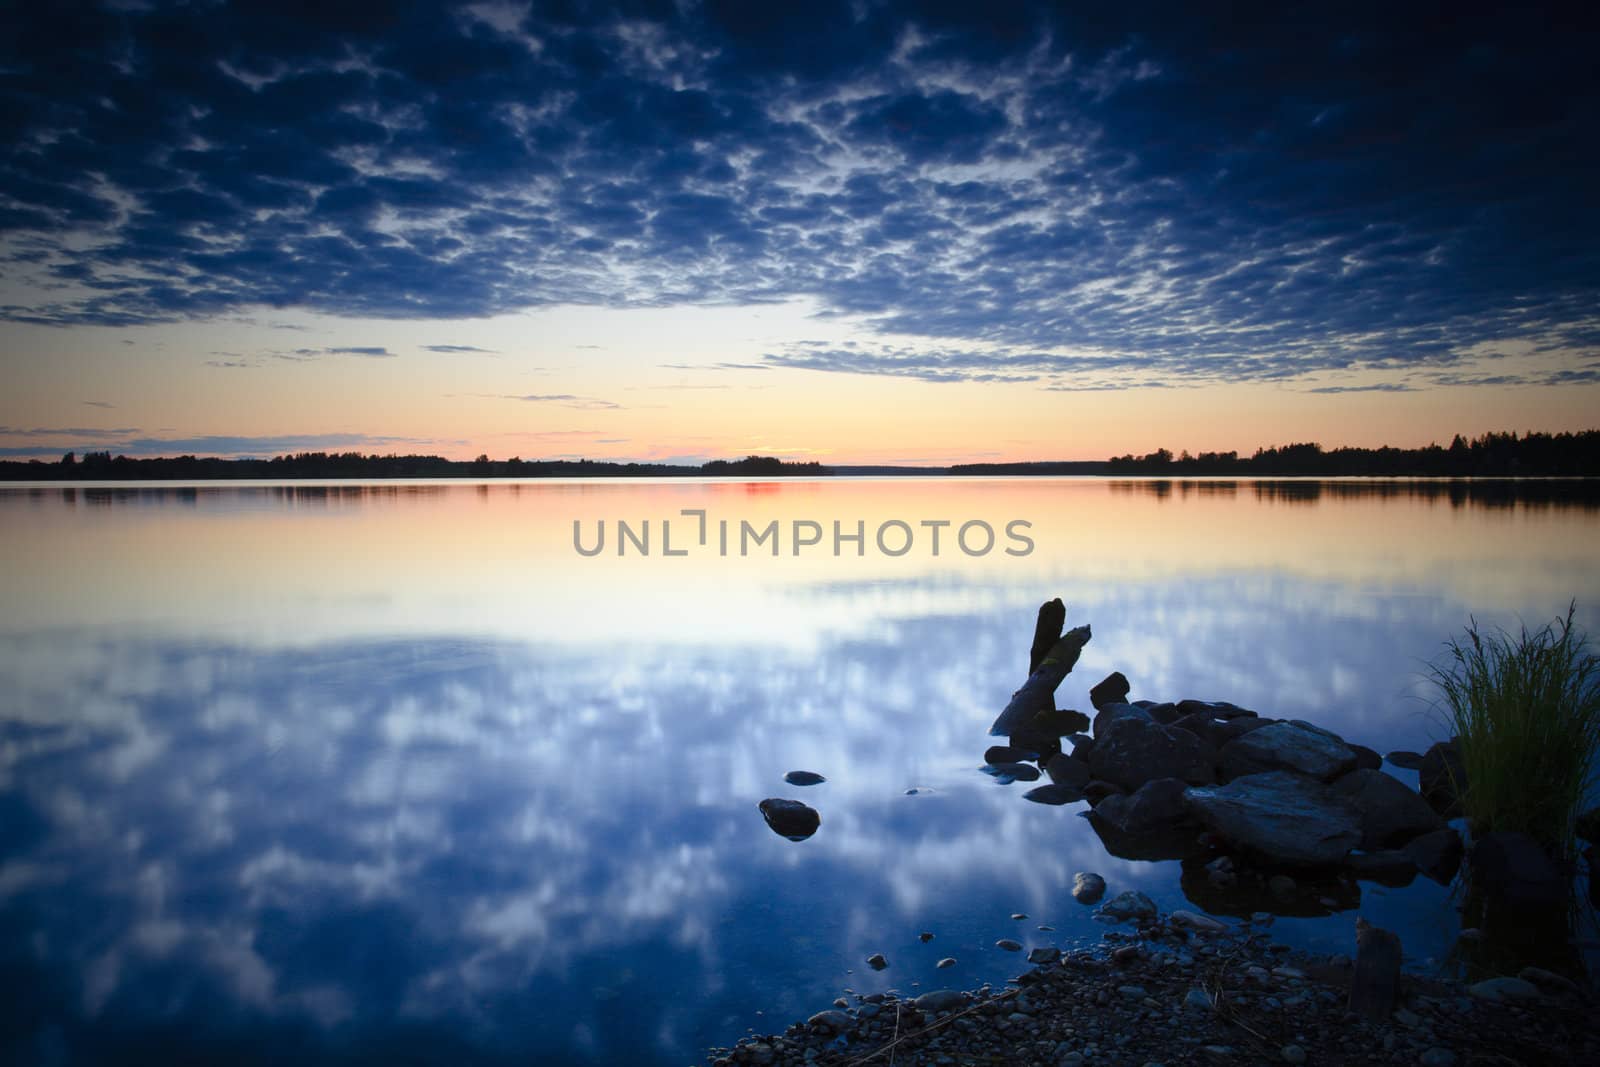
(1493, 455)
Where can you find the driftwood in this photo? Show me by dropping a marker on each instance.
(1375, 985)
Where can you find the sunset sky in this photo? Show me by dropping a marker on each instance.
(858, 232)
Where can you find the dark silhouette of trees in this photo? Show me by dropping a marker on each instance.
(1494, 455)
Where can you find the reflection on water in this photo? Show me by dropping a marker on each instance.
(360, 772)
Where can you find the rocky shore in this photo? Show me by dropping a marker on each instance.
(1189, 989)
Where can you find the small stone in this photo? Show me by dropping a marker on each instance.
(1205, 924)
(1018, 915)
(1044, 955)
(1133, 992)
(1087, 887)
(832, 1020)
(804, 778)
(925, 937)
(1197, 1000)
(1438, 1057)
(1008, 944)
(1292, 1054)
(1129, 905)
(877, 962)
(948, 961)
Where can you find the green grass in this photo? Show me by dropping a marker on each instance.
(1527, 712)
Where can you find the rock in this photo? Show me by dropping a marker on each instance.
(1006, 773)
(832, 1020)
(948, 961)
(1109, 715)
(1504, 988)
(1058, 722)
(877, 962)
(804, 778)
(1288, 746)
(1588, 826)
(1375, 984)
(1516, 874)
(1216, 709)
(1550, 982)
(1437, 855)
(1008, 944)
(1389, 867)
(1132, 752)
(1082, 745)
(1113, 689)
(1391, 814)
(1044, 955)
(1281, 885)
(1156, 804)
(1437, 1057)
(1018, 916)
(1165, 714)
(1087, 887)
(1292, 1054)
(1067, 770)
(1197, 1000)
(940, 1000)
(1129, 905)
(1285, 817)
(790, 818)
(1405, 759)
(1191, 920)
(1006, 754)
(925, 936)
(1442, 777)
(1366, 758)
(1095, 792)
(1054, 793)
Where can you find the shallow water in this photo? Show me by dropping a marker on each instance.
(354, 772)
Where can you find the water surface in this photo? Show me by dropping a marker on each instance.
(363, 772)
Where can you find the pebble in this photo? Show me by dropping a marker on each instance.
(1087, 887)
(1008, 944)
(1438, 1057)
(948, 961)
(1292, 1054)
(877, 962)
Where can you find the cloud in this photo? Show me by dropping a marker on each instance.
(569, 400)
(458, 348)
(99, 404)
(1199, 199)
(64, 431)
(121, 442)
(1376, 387)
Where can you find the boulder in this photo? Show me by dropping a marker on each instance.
(1095, 792)
(790, 818)
(833, 1021)
(1082, 745)
(1216, 709)
(1375, 983)
(1391, 814)
(1131, 752)
(1067, 770)
(1113, 689)
(1366, 758)
(1285, 817)
(1058, 722)
(1516, 874)
(940, 1000)
(1155, 805)
(1054, 793)
(1006, 754)
(1165, 714)
(1288, 746)
(1442, 777)
(1436, 854)
(1405, 759)
(1110, 714)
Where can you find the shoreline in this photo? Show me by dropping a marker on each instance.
(1189, 989)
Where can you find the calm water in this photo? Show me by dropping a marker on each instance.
(394, 773)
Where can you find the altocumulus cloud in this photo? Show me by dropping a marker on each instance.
(1177, 195)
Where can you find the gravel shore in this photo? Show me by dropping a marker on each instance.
(1167, 993)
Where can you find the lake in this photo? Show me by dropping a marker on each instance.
(403, 772)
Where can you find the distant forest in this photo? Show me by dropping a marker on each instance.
(1494, 455)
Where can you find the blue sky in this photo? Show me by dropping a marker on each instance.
(1021, 205)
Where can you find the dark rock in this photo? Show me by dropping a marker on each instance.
(1110, 714)
(1058, 722)
(1082, 745)
(877, 962)
(832, 1021)
(1008, 944)
(1006, 773)
(1288, 818)
(940, 1000)
(1054, 793)
(1067, 770)
(1131, 752)
(1375, 984)
(1154, 805)
(804, 778)
(1216, 709)
(1516, 874)
(1437, 854)
(1443, 778)
(1232, 728)
(925, 937)
(1165, 714)
(1588, 826)
(1287, 746)
(1174, 842)
(1095, 792)
(1389, 867)
(1087, 887)
(790, 818)
(1007, 754)
(1391, 814)
(1405, 759)
(1113, 689)
(1366, 758)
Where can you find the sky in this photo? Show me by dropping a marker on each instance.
(853, 232)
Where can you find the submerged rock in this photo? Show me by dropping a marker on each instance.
(1286, 817)
(877, 962)
(1153, 806)
(790, 818)
(804, 778)
(1288, 746)
(1129, 905)
(1054, 793)
(1008, 944)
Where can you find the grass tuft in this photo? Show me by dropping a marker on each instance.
(1527, 713)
